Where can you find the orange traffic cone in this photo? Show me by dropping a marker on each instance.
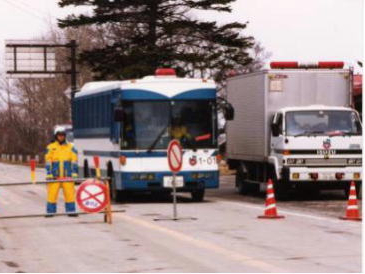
(352, 211)
(270, 210)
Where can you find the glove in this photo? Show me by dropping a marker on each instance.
(49, 177)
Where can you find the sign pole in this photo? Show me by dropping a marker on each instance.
(174, 194)
(175, 161)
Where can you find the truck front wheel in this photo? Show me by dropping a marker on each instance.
(241, 184)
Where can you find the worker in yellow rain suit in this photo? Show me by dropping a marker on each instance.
(61, 163)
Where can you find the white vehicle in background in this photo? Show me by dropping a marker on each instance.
(294, 124)
(130, 123)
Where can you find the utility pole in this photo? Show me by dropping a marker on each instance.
(73, 72)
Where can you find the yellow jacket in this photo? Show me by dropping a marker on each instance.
(61, 160)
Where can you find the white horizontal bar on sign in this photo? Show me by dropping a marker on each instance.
(29, 42)
(29, 75)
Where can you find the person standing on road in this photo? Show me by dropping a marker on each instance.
(61, 163)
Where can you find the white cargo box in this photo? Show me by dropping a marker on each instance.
(257, 96)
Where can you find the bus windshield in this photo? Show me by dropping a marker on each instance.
(322, 122)
(152, 125)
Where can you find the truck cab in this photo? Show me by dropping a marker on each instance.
(294, 124)
(316, 144)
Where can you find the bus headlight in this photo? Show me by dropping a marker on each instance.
(201, 175)
(143, 177)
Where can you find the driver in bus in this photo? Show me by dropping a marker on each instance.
(178, 130)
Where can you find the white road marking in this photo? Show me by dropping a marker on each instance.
(292, 213)
(246, 260)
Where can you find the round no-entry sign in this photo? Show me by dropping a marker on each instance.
(175, 156)
(92, 196)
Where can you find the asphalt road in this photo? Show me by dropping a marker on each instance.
(225, 237)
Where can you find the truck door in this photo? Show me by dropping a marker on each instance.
(276, 132)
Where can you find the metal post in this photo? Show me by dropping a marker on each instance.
(73, 71)
(174, 194)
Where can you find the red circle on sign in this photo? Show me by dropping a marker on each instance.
(174, 156)
(92, 196)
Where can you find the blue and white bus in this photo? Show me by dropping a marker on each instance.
(130, 123)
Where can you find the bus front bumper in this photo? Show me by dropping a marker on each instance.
(154, 181)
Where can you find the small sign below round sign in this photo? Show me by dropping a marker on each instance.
(92, 196)
(175, 156)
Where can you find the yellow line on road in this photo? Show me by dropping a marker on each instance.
(203, 244)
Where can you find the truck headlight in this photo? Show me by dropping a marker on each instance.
(291, 161)
(357, 161)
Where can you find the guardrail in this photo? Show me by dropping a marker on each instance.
(20, 158)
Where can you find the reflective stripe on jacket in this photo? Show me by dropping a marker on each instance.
(61, 160)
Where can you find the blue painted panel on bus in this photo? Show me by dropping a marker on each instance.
(196, 94)
(128, 180)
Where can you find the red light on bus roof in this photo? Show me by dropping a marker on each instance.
(165, 72)
(331, 65)
(281, 65)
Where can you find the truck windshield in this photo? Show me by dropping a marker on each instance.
(152, 125)
(322, 122)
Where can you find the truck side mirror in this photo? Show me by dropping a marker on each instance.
(118, 114)
(275, 130)
(228, 112)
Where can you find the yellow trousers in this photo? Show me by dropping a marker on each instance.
(68, 193)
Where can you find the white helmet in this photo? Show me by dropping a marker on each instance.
(59, 129)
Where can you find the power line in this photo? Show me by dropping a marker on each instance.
(26, 10)
(25, 4)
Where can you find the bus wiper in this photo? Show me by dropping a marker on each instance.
(308, 133)
(157, 139)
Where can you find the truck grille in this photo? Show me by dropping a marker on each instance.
(326, 162)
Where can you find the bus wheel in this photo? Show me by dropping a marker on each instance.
(115, 195)
(86, 169)
(198, 195)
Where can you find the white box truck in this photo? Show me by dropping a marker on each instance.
(294, 124)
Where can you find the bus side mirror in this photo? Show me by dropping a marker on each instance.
(228, 112)
(359, 127)
(275, 130)
(118, 114)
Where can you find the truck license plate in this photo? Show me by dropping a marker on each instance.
(167, 181)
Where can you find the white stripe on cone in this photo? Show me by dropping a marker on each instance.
(270, 206)
(352, 197)
(269, 186)
(352, 207)
(271, 195)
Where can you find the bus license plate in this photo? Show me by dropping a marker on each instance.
(167, 181)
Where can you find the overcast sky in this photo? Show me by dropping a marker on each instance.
(303, 30)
